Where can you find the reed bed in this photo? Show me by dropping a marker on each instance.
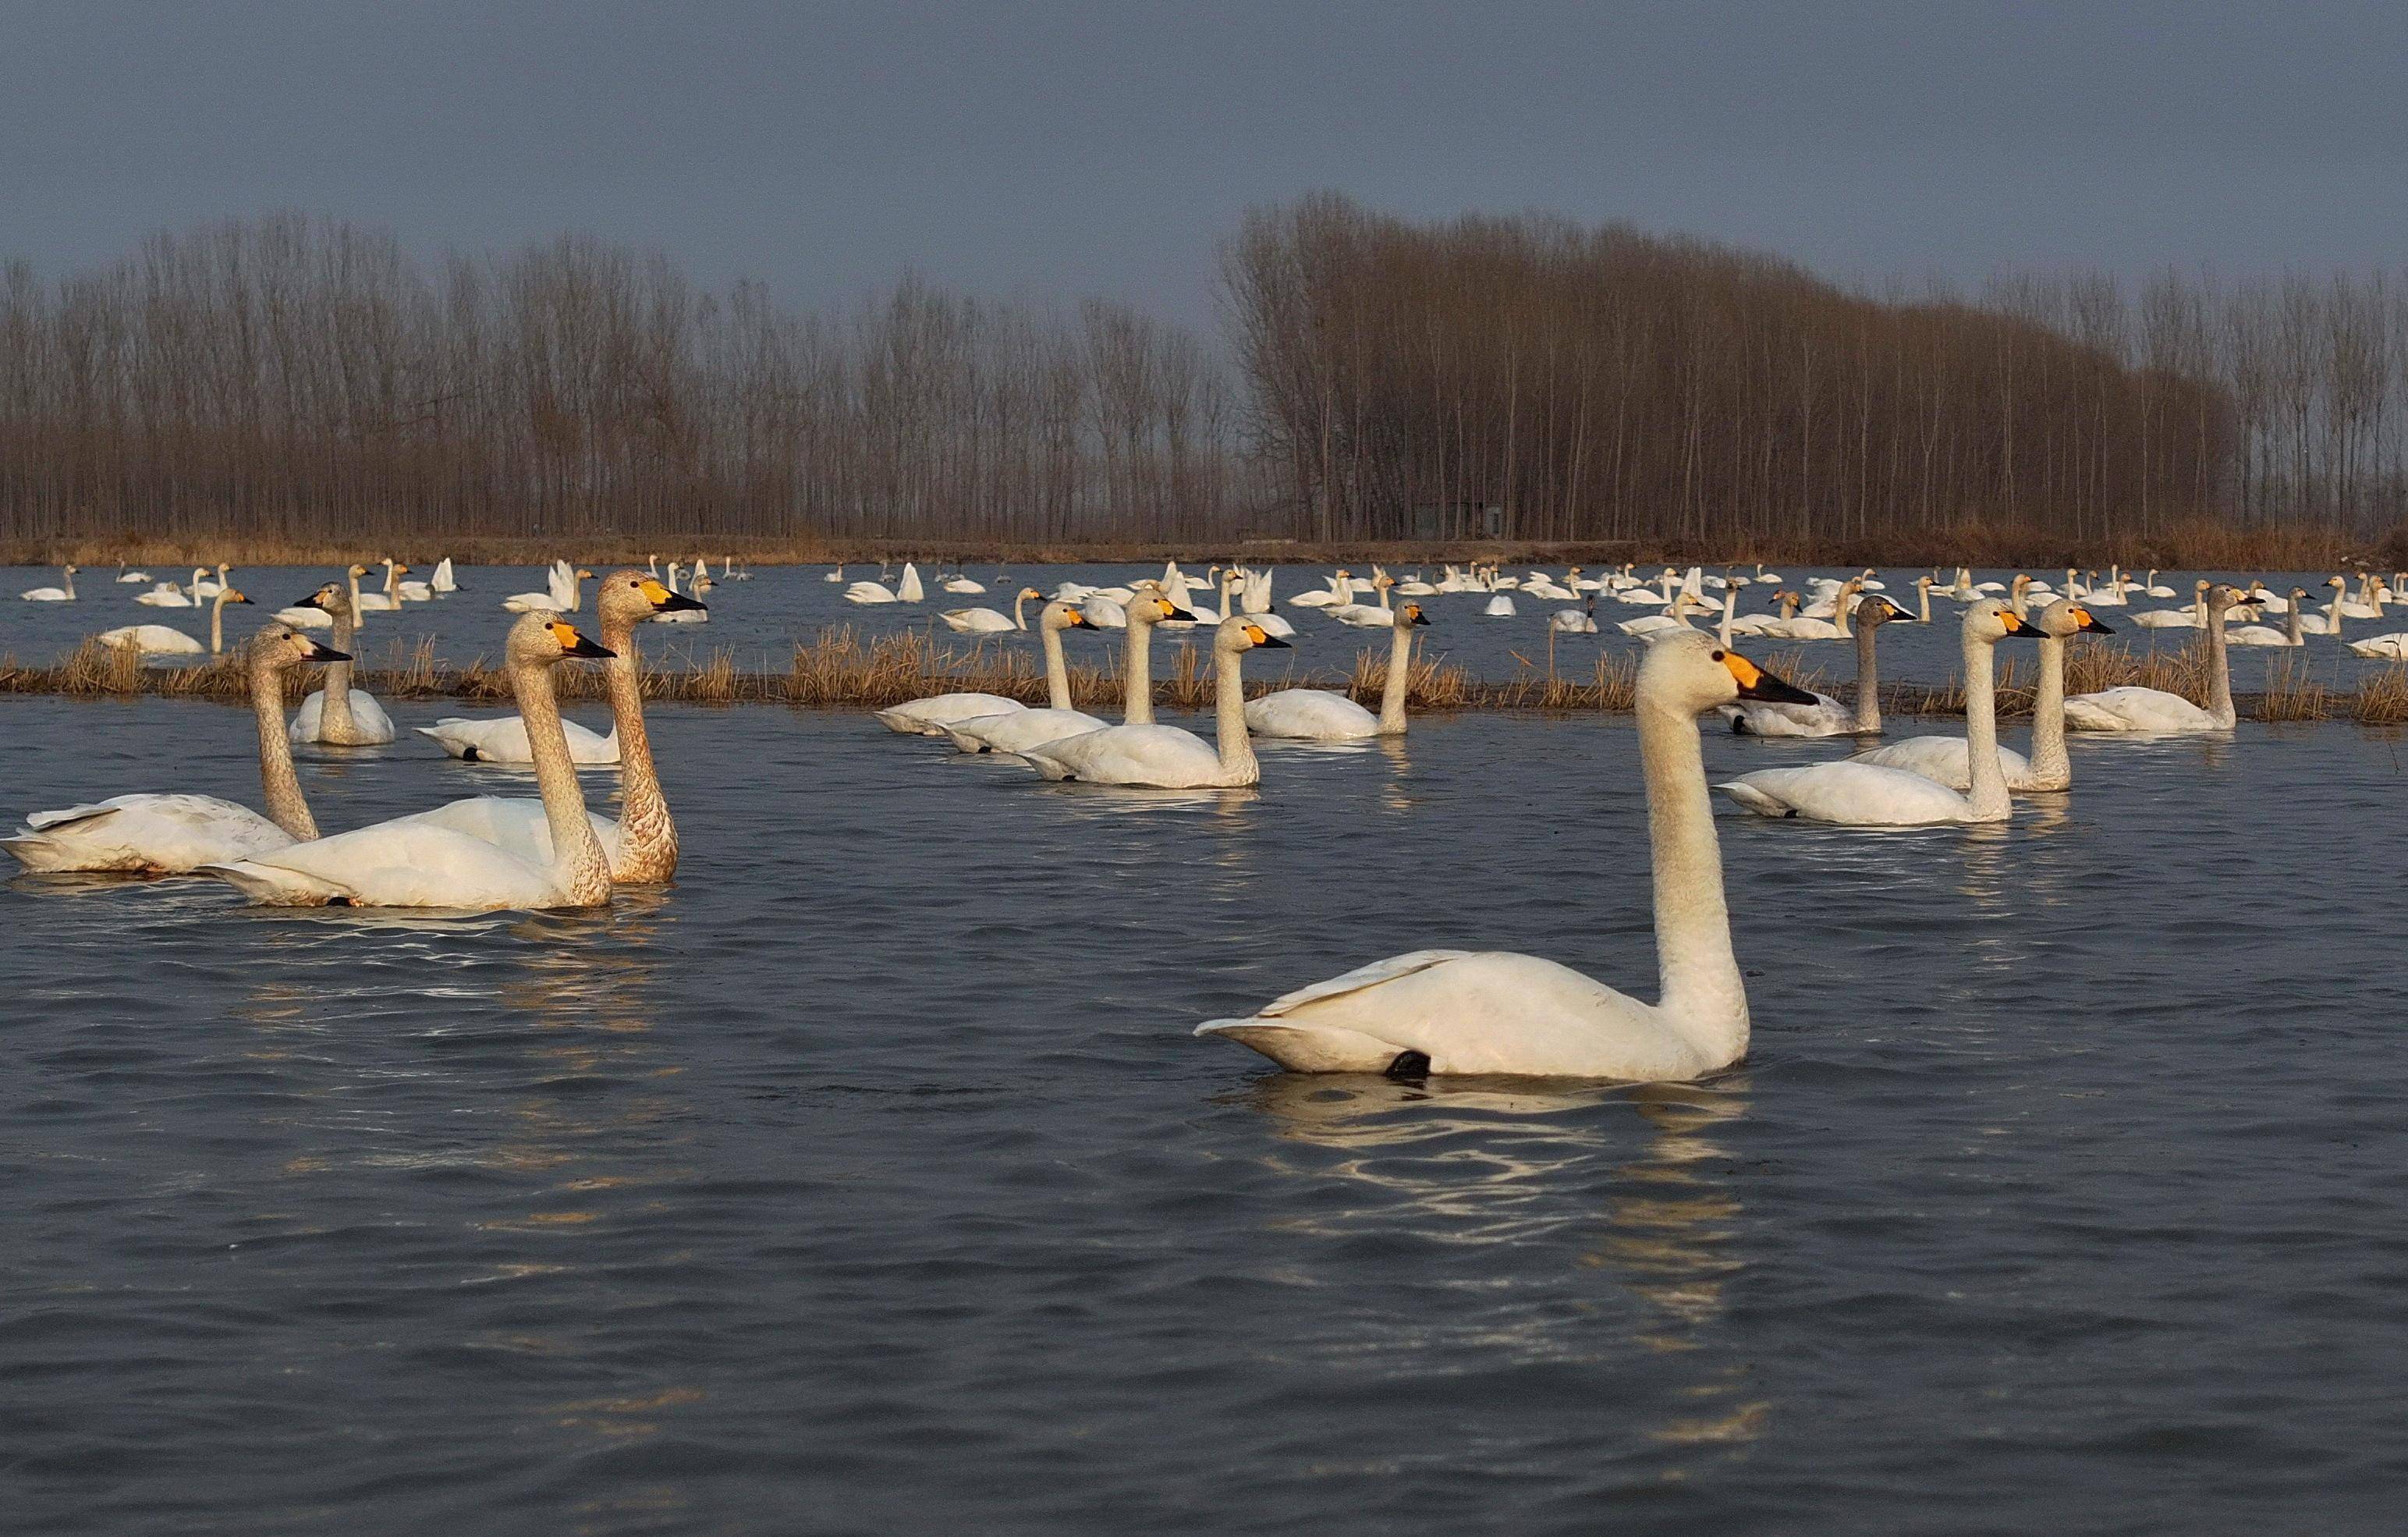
(841, 669)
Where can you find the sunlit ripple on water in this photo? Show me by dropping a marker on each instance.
(870, 1172)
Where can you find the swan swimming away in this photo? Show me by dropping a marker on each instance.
(1453, 1011)
(174, 834)
(1853, 793)
(1164, 757)
(1318, 714)
(419, 864)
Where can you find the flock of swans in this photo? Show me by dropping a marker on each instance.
(1428, 1012)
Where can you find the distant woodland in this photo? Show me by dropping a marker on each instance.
(1372, 379)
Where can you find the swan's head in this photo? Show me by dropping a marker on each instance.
(1239, 632)
(228, 595)
(583, 574)
(1058, 615)
(2222, 596)
(1990, 623)
(1877, 610)
(544, 640)
(1688, 670)
(356, 570)
(278, 648)
(1410, 615)
(2066, 617)
(1152, 607)
(324, 597)
(633, 596)
(1027, 595)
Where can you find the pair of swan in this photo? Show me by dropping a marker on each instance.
(339, 716)
(177, 834)
(1859, 793)
(489, 852)
(166, 640)
(1018, 729)
(1446, 1011)
(936, 714)
(1948, 760)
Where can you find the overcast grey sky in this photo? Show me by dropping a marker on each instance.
(1056, 150)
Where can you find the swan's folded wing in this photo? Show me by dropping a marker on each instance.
(1847, 794)
(517, 827)
(407, 863)
(1302, 1046)
(1362, 976)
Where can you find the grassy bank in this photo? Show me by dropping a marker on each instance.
(2191, 547)
(840, 669)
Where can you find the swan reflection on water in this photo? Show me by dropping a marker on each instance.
(1511, 1161)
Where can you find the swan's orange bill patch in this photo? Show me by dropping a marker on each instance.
(1257, 634)
(1745, 672)
(652, 590)
(563, 633)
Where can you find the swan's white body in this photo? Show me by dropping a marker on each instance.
(938, 713)
(1453, 1011)
(2394, 645)
(1317, 714)
(374, 726)
(868, 591)
(175, 834)
(2135, 711)
(1163, 756)
(503, 739)
(1825, 716)
(1017, 730)
(53, 595)
(1859, 793)
(153, 639)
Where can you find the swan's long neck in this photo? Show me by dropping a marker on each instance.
(217, 625)
(1990, 778)
(66, 580)
(1926, 615)
(1392, 692)
(647, 837)
(1703, 998)
(1019, 619)
(1731, 610)
(2052, 769)
(335, 705)
(579, 866)
(1868, 681)
(1238, 764)
(1136, 669)
(2219, 670)
(1057, 669)
(2292, 631)
(282, 786)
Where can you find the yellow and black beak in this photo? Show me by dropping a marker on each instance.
(316, 600)
(1177, 612)
(2023, 627)
(1418, 617)
(237, 597)
(1263, 639)
(665, 601)
(1756, 683)
(2090, 624)
(1079, 621)
(574, 644)
(319, 652)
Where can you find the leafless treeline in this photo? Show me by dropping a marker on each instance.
(275, 379)
(270, 379)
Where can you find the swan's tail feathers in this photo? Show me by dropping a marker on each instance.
(274, 885)
(967, 743)
(1300, 1047)
(909, 725)
(1755, 800)
(44, 821)
(1051, 767)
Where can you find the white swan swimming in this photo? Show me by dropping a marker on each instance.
(1867, 795)
(908, 590)
(1164, 756)
(1016, 730)
(564, 590)
(1452, 1011)
(868, 591)
(444, 581)
(339, 716)
(54, 594)
(1948, 760)
(1825, 716)
(173, 834)
(387, 600)
(414, 863)
(166, 640)
(990, 621)
(166, 595)
(2137, 710)
(937, 714)
(642, 843)
(1318, 714)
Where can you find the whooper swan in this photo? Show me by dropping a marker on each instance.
(339, 716)
(1016, 730)
(2136, 710)
(166, 640)
(1318, 714)
(1825, 716)
(1948, 760)
(936, 714)
(1450, 1012)
(1164, 757)
(1867, 795)
(54, 594)
(413, 863)
(991, 621)
(171, 834)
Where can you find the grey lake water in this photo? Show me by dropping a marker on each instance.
(868, 1179)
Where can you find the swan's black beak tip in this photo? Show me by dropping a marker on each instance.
(2092, 627)
(1183, 614)
(1768, 689)
(1421, 619)
(327, 654)
(679, 603)
(1272, 643)
(586, 646)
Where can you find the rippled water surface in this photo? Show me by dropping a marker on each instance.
(868, 1179)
